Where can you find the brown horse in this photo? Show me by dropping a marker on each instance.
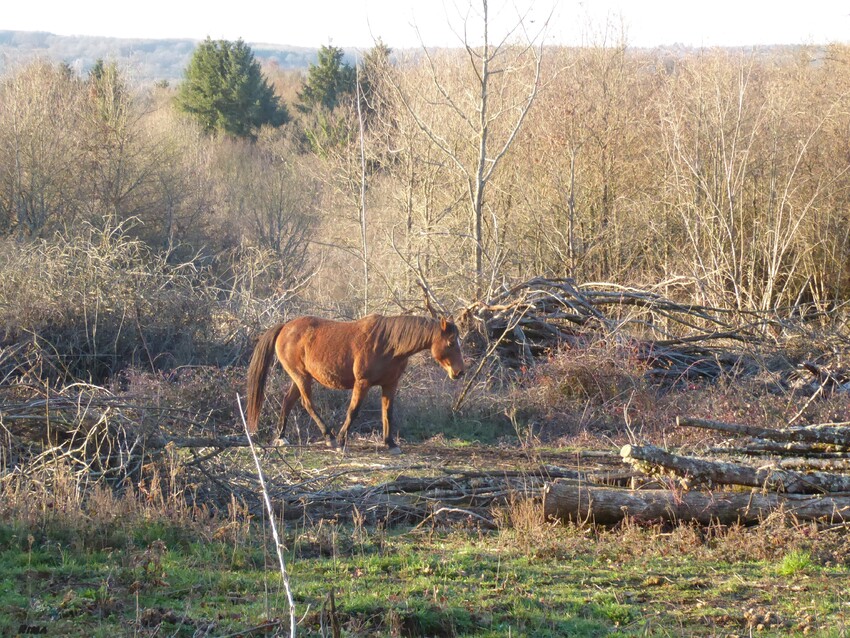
(353, 355)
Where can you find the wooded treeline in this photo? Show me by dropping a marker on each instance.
(714, 177)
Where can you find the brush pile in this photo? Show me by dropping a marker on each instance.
(675, 341)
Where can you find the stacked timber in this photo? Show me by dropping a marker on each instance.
(806, 476)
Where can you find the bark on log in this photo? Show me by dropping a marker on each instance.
(571, 501)
(826, 433)
(808, 464)
(761, 447)
(648, 458)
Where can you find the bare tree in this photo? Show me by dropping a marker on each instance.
(740, 146)
(487, 108)
(41, 123)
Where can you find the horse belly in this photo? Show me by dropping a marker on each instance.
(335, 372)
(334, 379)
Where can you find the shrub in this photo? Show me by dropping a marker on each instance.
(93, 304)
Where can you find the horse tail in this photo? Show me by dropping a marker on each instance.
(258, 372)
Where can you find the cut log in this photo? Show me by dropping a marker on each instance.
(571, 501)
(649, 458)
(830, 434)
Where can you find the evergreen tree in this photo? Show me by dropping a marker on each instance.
(226, 92)
(373, 73)
(108, 91)
(327, 81)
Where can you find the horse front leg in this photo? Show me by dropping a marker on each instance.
(358, 393)
(305, 387)
(387, 400)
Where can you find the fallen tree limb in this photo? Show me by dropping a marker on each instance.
(760, 447)
(829, 434)
(569, 501)
(414, 499)
(542, 315)
(808, 464)
(649, 458)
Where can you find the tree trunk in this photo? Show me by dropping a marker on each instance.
(480, 179)
(770, 477)
(573, 501)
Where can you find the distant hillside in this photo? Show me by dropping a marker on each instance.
(145, 60)
(148, 60)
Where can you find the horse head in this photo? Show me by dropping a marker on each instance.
(445, 349)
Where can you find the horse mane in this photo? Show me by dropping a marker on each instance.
(405, 333)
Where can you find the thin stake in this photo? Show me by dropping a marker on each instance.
(284, 574)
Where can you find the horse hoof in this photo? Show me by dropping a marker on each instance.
(394, 451)
(332, 444)
(281, 442)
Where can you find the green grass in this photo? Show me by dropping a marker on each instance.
(161, 581)
(455, 429)
(795, 562)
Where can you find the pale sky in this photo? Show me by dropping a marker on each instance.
(408, 23)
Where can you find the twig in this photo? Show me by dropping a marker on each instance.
(456, 510)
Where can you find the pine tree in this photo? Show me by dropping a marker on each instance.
(327, 81)
(226, 92)
(373, 71)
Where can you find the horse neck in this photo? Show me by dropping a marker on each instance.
(412, 335)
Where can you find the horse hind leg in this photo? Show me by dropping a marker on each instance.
(292, 395)
(305, 387)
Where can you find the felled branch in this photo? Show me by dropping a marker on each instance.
(827, 433)
(98, 434)
(414, 499)
(760, 447)
(675, 340)
(649, 459)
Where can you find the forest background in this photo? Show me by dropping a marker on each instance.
(714, 177)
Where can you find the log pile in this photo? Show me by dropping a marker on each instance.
(809, 485)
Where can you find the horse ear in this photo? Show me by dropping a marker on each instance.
(444, 324)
